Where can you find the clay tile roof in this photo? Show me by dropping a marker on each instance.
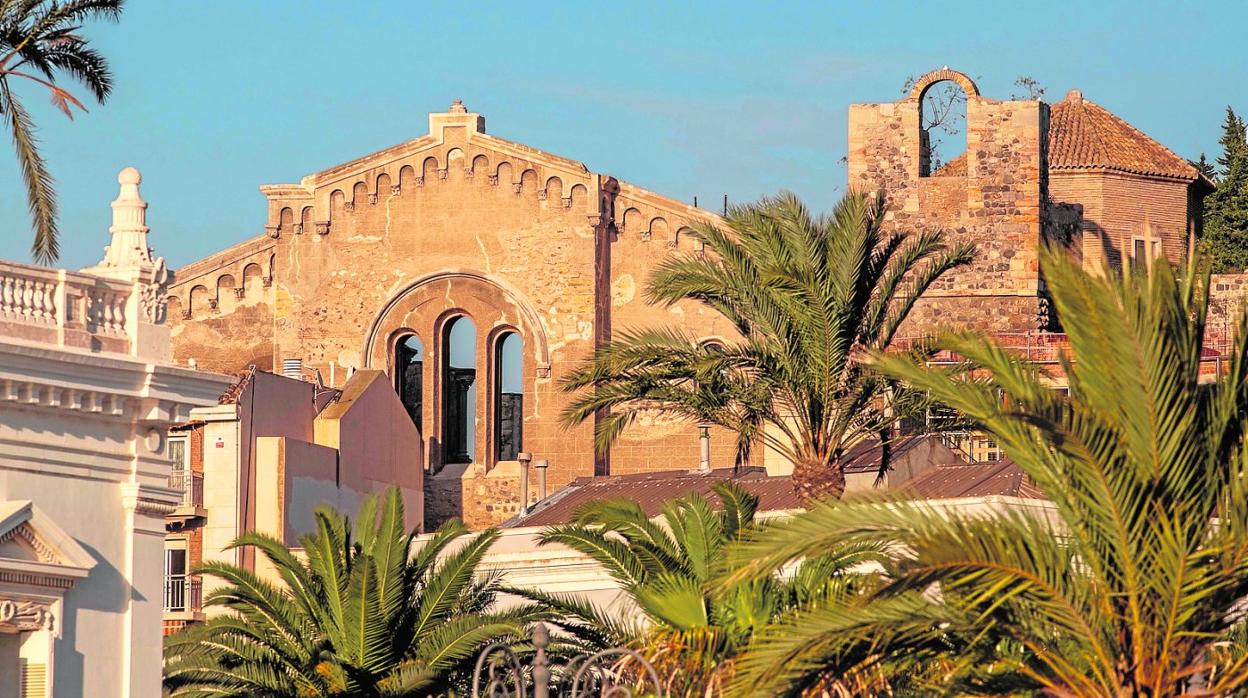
(1085, 135)
(954, 168)
(235, 391)
(983, 479)
(651, 490)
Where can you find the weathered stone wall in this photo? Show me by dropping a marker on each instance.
(1226, 303)
(455, 224)
(220, 309)
(651, 229)
(996, 205)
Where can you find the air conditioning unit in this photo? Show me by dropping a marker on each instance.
(292, 368)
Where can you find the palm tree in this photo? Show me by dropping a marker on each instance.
(39, 40)
(808, 296)
(369, 613)
(1133, 582)
(689, 629)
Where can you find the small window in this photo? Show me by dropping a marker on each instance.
(409, 371)
(179, 454)
(459, 391)
(1145, 250)
(509, 397)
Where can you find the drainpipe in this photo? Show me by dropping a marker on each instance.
(704, 436)
(541, 478)
(525, 458)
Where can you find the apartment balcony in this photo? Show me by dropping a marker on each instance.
(191, 485)
(184, 598)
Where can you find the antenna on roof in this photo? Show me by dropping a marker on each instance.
(695, 202)
(725, 204)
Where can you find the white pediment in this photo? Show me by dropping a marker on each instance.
(32, 544)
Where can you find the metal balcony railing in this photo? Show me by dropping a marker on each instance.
(183, 593)
(191, 485)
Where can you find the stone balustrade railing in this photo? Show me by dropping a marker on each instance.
(67, 308)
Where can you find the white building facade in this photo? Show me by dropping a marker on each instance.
(86, 396)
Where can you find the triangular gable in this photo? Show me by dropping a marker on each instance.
(457, 141)
(56, 552)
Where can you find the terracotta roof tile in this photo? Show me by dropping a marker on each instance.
(954, 168)
(1085, 135)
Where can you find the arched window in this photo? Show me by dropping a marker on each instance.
(942, 135)
(459, 391)
(409, 376)
(508, 397)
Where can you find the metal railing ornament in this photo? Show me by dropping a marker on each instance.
(614, 673)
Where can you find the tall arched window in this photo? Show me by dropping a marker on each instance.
(942, 139)
(508, 397)
(459, 391)
(409, 376)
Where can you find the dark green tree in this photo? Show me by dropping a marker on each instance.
(1205, 167)
(1225, 237)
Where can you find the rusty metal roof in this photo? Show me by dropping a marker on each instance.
(864, 457)
(651, 490)
(983, 479)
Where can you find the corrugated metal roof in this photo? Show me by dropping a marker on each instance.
(983, 479)
(651, 490)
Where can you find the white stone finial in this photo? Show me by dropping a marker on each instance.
(129, 229)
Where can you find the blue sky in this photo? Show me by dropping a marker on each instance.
(214, 99)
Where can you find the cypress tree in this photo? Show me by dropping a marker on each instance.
(1226, 210)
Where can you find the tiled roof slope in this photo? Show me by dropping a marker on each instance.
(1085, 135)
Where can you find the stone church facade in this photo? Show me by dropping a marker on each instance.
(533, 260)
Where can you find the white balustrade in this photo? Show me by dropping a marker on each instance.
(29, 299)
(55, 300)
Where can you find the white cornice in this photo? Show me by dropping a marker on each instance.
(103, 385)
